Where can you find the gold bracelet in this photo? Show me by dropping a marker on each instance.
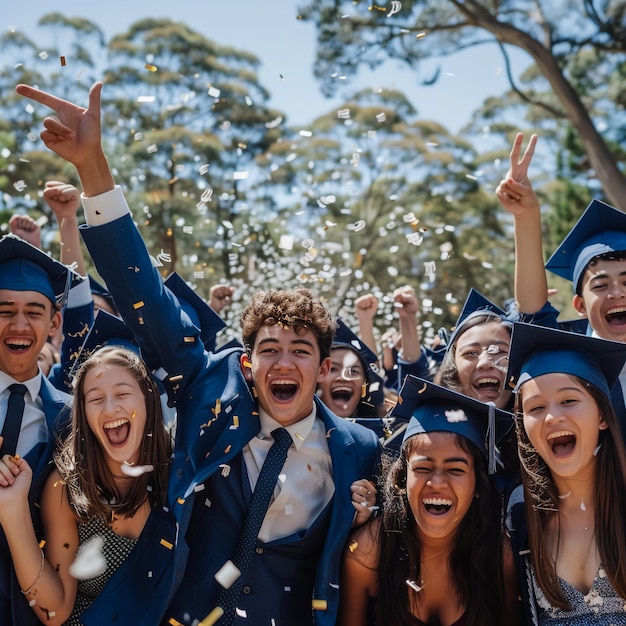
(30, 589)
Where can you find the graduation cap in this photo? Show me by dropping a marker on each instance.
(203, 317)
(578, 325)
(344, 337)
(24, 267)
(475, 305)
(537, 350)
(432, 408)
(600, 229)
(106, 330)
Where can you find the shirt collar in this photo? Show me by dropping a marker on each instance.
(298, 431)
(33, 385)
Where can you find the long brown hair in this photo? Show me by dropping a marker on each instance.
(542, 500)
(81, 463)
(476, 559)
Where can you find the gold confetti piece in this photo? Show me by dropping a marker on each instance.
(225, 470)
(320, 605)
(166, 544)
(63, 63)
(151, 68)
(227, 449)
(189, 339)
(180, 500)
(42, 543)
(212, 617)
(353, 546)
(174, 622)
(175, 379)
(138, 305)
(236, 421)
(299, 436)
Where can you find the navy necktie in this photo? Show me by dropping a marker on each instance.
(255, 515)
(13, 420)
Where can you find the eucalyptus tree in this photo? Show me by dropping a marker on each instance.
(191, 117)
(380, 198)
(578, 49)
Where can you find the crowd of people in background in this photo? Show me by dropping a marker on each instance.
(308, 472)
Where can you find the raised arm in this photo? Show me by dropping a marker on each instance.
(517, 196)
(365, 309)
(42, 573)
(74, 133)
(64, 201)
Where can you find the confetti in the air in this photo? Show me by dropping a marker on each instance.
(136, 470)
(90, 561)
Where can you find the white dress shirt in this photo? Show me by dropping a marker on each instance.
(305, 485)
(34, 429)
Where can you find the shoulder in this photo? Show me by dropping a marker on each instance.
(363, 545)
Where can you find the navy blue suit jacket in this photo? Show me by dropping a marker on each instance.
(14, 608)
(209, 391)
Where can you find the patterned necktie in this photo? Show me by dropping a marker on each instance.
(255, 515)
(13, 420)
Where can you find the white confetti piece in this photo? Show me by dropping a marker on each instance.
(227, 574)
(136, 470)
(89, 561)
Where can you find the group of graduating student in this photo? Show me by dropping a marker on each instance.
(266, 501)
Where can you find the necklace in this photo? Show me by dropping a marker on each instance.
(432, 556)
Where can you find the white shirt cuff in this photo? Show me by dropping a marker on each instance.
(106, 207)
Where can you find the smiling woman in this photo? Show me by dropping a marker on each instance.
(440, 515)
(573, 466)
(110, 473)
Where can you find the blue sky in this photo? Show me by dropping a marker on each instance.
(286, 47)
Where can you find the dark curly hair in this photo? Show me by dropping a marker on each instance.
(475, 562)
(298, 309)
(81, 463)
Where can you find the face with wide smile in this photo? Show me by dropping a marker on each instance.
(26, 322)
(603, 298)
(116, 413)
(480, 357)
(563, 423)
(341, 390)
(285, 368)
(440, 485)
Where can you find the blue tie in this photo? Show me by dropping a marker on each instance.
(13, 420)
(255, 515)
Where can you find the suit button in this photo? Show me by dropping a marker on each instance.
(246, 590)
(259, 550)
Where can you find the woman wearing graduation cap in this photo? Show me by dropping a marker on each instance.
(574, 477)
(437, 555)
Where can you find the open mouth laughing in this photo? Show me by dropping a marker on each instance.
(342, 394)
(117, 431)
(616, 316)
(488, 386)
(283, 390)
(562, 442)
(15, 344)
(437, 506)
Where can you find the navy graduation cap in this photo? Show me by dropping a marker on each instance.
(106, 330)
(475, 305)
(345, 338)
(537, 350)
(202, 316)
(600, 229)
(24, 267)
(432, 408)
